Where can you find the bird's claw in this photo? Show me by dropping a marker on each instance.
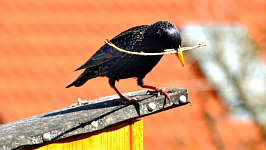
(157, 92)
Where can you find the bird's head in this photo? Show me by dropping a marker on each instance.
(166, 36)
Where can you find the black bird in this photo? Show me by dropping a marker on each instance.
(117, 65)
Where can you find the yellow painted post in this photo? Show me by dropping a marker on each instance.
(137, 135)
(125, 136)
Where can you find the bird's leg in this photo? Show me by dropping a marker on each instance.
(122, 98)
(156, 90)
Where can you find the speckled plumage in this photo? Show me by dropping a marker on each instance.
(117, 65)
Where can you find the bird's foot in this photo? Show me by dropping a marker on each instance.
(158, 91)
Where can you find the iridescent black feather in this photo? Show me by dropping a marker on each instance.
(117, 65)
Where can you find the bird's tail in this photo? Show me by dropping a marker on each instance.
(89, 73)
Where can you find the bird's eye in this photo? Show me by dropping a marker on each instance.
(159, 32)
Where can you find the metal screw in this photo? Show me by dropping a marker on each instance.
(47, 136)
(94, 124)
(182, 99)
(151, 106)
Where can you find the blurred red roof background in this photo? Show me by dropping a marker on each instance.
(42, 42)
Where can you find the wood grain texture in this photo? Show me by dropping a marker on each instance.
(126, 136)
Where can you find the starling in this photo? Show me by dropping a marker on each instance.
(116, 65)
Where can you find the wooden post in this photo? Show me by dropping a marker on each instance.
(125, 136)
(102, 124)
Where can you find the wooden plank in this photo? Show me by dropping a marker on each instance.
(126, 136)
(91, 117)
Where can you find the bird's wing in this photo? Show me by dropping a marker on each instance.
(107, 53)
(98, 58)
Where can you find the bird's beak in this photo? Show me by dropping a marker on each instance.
(180, 57)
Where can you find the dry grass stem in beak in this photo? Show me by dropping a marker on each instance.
(178, 52)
